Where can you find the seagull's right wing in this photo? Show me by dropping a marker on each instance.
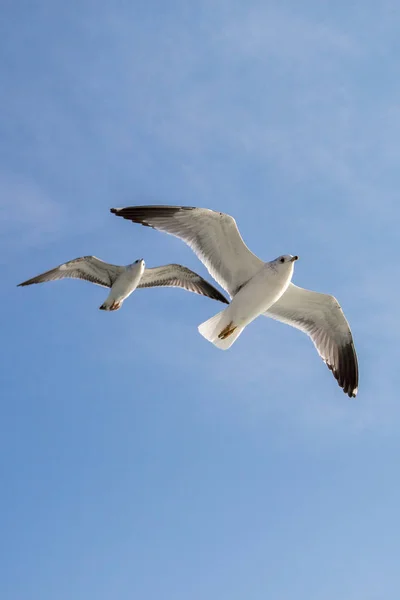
(213, 236)
(88, 268)
(322, 319)
(179, 276)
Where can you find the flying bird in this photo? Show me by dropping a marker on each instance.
(215, 239)
(124, 280)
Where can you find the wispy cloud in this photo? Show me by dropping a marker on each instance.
(265, 31)
(28, 216)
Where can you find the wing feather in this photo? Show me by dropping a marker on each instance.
(88, 268)
(213, 237)
(178, 276)
(322, 319)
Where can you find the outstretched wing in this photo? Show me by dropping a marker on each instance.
(88, 268)
(213, 237)
(322, 319)
(179, 276)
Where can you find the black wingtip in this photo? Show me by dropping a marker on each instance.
(139, 214)
(221, 298)
(144, 214)
(346, 372)
(212, 292)
(28, 282)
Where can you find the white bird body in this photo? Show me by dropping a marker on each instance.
(253, 299)
(261, 291)
(124, 285)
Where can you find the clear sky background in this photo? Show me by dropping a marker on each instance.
(136, 460)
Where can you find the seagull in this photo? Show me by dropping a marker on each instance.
(215, 239)
(124, 280)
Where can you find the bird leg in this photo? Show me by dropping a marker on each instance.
(115, 306)
(227, 331)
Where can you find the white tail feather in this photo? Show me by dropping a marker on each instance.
(212, 328)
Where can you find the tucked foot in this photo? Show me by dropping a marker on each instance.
(227, 331)
(113, 306)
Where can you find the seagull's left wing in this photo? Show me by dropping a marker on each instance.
(88, 268)
(321, 318)
(179, 276)
(213, 236)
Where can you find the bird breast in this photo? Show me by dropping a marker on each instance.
(259, 293)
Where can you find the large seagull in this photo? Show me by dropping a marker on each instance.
(124, 280)
(215, 239)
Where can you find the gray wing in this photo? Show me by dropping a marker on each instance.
(179, 276)
(213, 237)
(321, 318)
(88, 268)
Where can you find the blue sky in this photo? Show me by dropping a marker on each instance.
(137, 461)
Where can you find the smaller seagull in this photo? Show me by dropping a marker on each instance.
(124, 280)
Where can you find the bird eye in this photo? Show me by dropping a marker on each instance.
(282, 260)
